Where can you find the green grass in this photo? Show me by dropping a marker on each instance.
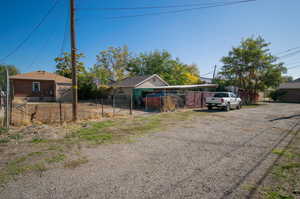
(108, 131)
(36, 153)
(285, 153)
(38, 140)
(15, 137)
(277, 195)
(57, 158)
(285, 174)
(3, 130)
(4, 140)
(55, 151)
(252, 105)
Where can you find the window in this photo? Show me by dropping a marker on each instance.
(221, 95)
(233, 95)
(36, 87)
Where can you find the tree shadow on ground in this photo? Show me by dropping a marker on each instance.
(208, 111)
(285, 118)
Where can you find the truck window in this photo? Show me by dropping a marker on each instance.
(221, 95)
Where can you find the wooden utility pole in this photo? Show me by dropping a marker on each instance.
(73, 58)
(7, 108)
(214, 72)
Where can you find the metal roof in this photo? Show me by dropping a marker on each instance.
(290, 85)
(186, 86)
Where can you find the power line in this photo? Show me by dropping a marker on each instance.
(207, 74)
(293, 67)
(63, 44)
(297, 62)
(43, 48)
(179, 11)
(288, 50)
(31, 33)
(157, 7)
(290, 54)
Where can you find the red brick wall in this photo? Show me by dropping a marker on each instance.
(23, 88)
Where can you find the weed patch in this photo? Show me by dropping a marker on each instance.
(72, 164)
(15, 137)
(4, 140)
(285, 177)
(57, 158)
(3, 130)
(38, 140)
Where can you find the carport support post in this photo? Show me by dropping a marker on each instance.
(113, 104)
(146, 104)
(130, 111)
(60, 113)
(102, 111)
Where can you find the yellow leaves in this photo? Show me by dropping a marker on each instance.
(191, 78)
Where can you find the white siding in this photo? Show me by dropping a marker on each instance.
(153, 82)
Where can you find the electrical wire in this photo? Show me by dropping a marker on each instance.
(158, 7)
(63, 44)
(288, 50)
(290, 54)
(31, 33)
(293, 67)
(179, 11)
(206, 74)
(297, 62)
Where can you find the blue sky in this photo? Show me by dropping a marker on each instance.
(200, 36)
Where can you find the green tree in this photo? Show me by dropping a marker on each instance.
(287, 79)
(64, 67)
(162, 64)
(12, 70)
(111, 64)
(252, 67)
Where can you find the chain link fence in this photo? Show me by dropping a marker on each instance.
(109, 107)
(61, 112)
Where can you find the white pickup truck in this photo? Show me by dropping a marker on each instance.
(225, 100)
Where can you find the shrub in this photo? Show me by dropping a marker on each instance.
(275, 95)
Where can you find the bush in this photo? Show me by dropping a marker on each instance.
(275, 95)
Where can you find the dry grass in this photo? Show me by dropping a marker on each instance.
(39, 154)
(72, 164)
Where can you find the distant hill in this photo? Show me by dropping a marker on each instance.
(297, 80)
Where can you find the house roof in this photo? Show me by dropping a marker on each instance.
(135, 81)
(290, 85)
(42, 75)
(206, 79)
(297, 80)
(186, 86)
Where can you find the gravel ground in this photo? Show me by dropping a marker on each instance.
(214, 156)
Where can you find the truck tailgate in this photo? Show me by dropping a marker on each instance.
(213, 100)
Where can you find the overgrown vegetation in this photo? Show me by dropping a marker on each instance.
(275, 95)
(285, 179)
(108, 131)
(65, 152)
